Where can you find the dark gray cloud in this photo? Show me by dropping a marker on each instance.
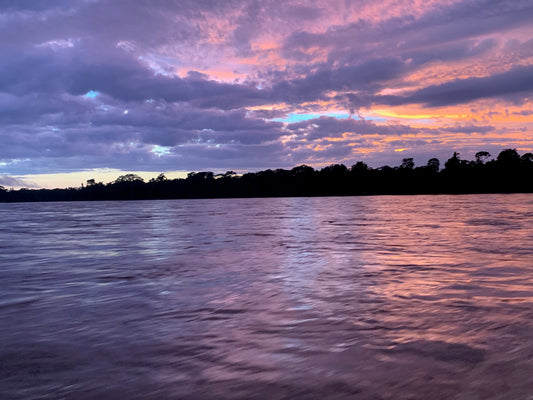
(454, 51)
(315, 85)
(7, 6)
(517, 81)
(332, 127)
(445, 24)
(123, 78)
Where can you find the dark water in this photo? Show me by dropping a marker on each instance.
(408, 297)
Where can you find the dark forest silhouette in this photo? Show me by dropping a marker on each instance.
(508, 173)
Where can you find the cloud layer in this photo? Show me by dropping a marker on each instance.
(246, 85)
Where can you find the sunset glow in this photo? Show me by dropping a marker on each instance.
(160, 86)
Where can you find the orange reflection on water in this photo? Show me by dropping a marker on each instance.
(447, 276)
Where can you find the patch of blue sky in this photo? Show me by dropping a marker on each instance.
(299, 117)
(91, 94)
(160, 151)
(376, 119)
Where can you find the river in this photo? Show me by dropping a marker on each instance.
(379, 297)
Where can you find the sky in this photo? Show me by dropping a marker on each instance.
(100, 88)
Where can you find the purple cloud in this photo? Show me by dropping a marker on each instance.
(517, 81)
(204, 80)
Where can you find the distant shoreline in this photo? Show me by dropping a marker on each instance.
(510, 172)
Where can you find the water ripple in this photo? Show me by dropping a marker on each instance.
(426, 297)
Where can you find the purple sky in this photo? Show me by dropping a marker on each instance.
(90, 88)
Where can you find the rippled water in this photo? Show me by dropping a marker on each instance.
(406, 297)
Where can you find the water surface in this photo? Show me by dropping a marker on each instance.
(386, 297)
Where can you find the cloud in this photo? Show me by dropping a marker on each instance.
(205, 80)
(10, 181)
(328, 127)
(524, 112)
(357, 77)
(516, 83)
(468, 129)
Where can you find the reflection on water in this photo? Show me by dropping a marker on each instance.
(408, 297)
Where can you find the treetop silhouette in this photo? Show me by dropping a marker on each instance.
(509, 172)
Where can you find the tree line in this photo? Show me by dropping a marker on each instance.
(508, 172)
